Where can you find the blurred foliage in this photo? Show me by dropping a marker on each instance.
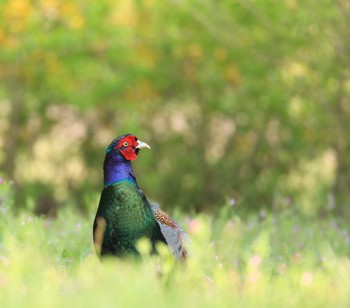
(244, 99)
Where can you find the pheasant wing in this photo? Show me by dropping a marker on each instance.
(173, 234)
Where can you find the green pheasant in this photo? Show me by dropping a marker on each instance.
(124, 214)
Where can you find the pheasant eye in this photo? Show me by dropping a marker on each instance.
(125, 143)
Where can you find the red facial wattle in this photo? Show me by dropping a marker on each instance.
(127, 147)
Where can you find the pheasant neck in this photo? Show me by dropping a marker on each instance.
(115, 172)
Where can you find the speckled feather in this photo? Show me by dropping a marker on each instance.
(173, 234)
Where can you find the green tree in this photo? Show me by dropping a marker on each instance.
(236, 98)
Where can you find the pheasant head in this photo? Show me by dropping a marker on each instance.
(127, 145)
(119, 154)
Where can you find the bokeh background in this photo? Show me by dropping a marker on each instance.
(243, 102)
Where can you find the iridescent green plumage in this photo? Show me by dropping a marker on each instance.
(128, 217)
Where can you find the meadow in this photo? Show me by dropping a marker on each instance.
(268, 259)
(244, 100)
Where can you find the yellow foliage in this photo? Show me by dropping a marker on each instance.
(18, 9)
(68, 9)
(195, 51)
(295, 70)
(220, 54)
(2, 37)
(232, 75)
(292, 4)
(76, 21)
(52, 62)
(147, 55)
(11, 43)
(72, 13)
(17, 14)
(142, 91)
(125, 14)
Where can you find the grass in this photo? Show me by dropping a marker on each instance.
(264, 260)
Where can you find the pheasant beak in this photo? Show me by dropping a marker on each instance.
(142, 145)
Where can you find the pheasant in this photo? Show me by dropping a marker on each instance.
(124, 214)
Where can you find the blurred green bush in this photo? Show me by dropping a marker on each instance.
(247, 100)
